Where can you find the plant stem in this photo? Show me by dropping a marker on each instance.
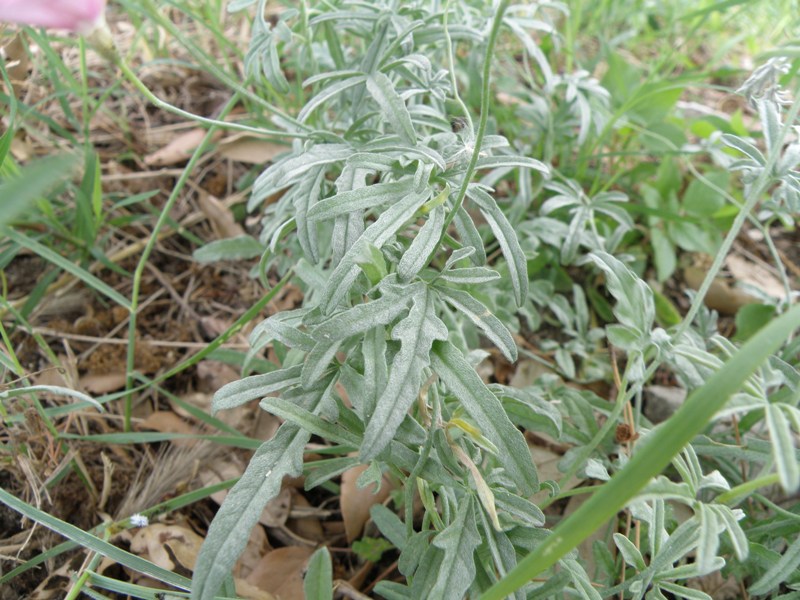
(484, 117)
(762, 182)
(148, 249)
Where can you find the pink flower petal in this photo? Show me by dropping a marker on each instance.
(73, 15)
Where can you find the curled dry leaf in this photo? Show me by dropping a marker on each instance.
(246, 148)
(356, 502)
(177, 150)
(281, 572)
(220, 216)
(171, 547)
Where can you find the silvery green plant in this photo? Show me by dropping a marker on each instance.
(388, 214)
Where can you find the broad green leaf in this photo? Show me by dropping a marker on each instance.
(652, 457)
(254, 387)
(304, 197)
(629, 552)
(507, 238)
(470, 275)
(392, 106)
(389, 524)
(364, 198)
(635, 306)
(376, 370)
(491, 326)
(708, 538)
(318, 580)
(469, 236)
(458, 541)
(317, 361)
(377, 234)
(783, 447)
(736, 535)
(683, 592)
(493, 162)
(309, 422)
(242, 247)
(416, 333)
(360, 318)
(519, 508)
(283, 327)
(664, 255)
(780, 571)
(373, 264)
(424, 244)
(487, 413)
(327, 93)
(288, 170)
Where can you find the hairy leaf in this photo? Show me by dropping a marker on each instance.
(392, 105)
(416, 333)
(488, 414)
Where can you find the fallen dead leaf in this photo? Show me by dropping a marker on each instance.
(356, 502)
(721, 296)
(257, 547)
(171, 547)
(167, 421)
(102, 383)
(308, 528)
(219, 215)
(213, 374)
(246, 148)
(177, 150)
(281, 572)
(750, 273)
(276, 512)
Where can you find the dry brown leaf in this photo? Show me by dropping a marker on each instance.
(308, 528)
(219, 470)
(356, 502)
(248, 149)
(250, 591)
(102, 383)
(721, 296)
(546, 461)
(276, 512)
(281, 572)
(219, 215)
(171, 547)
(755, 275)
(65, 376)
(257, 547)
(177, 150)
(167, 421)
(213, 374)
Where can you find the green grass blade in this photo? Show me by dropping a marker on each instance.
(35, 180)
(650, 459)
(91, 542)
(68, 266)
